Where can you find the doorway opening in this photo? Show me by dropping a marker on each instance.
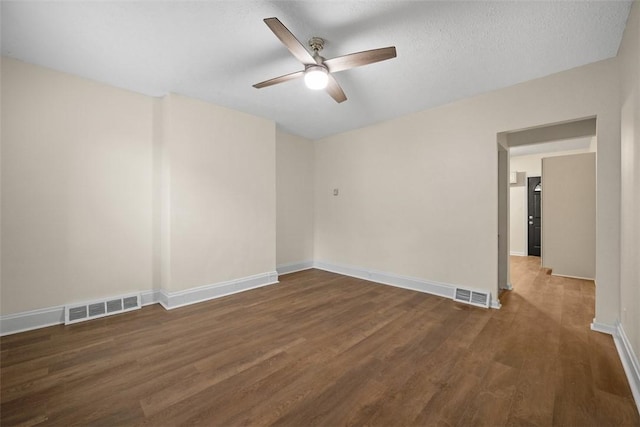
(525, 227)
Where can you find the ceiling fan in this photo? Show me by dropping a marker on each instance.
(318, 72)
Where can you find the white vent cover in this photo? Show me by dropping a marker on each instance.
(74, 313)
(468, 296)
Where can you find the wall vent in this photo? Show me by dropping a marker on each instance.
(74, 313)
(468, 296)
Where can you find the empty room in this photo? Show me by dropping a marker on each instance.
(380, 213)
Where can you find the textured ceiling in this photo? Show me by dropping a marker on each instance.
(215, 50)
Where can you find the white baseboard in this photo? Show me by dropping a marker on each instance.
(445, 290)
(571, 277)
(150, 297)
(627, 356)
(41, 318)
(507, 287)
(171, 300)
(29, 320)
(517, 253)
(629, 362)
(605, 328)
(293, 267)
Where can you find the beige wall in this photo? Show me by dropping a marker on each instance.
(569, 215)
(526, 166)
(220, 195)
(106, 192)
(629, 56)
(294, 199)
(76, 189)
(397, 210)
(413, 190)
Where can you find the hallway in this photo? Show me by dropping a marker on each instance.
(565, 365)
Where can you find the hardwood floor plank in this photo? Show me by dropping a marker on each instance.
(492, 404)
(208, 376)
(333, 404)
(448, 403)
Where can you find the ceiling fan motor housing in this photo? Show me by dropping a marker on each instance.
(316, 43)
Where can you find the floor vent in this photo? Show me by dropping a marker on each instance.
(93, 310)
(481, 299)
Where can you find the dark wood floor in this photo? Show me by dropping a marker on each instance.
(325, 349)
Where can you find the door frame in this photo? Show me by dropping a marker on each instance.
(504, 268)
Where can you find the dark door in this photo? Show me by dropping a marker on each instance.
(534, 190)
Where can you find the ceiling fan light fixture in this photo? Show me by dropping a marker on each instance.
(316, 68)
(316, 77)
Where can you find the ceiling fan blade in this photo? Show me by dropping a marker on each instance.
(280, 79)
(359, 59)
(334, 89)
(290, 41)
